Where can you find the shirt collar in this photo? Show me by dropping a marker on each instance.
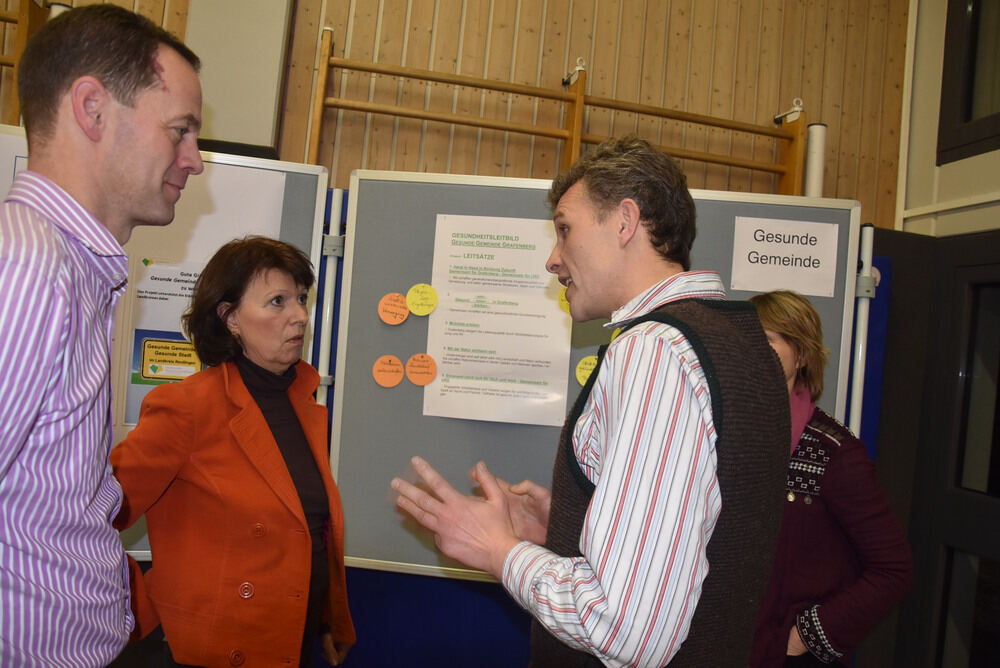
(684, 285)
(40, 193)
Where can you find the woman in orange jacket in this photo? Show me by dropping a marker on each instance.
(230, 467)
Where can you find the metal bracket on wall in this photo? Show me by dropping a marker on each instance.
(866, 286)
(333, 244)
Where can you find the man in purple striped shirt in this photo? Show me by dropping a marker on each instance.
(657, 538)
(112, 108)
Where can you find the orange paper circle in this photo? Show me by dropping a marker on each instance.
(388, 371)
(421, 369)
(392, 308)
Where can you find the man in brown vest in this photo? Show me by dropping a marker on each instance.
(657, 539)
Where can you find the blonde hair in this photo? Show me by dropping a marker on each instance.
(794, 317)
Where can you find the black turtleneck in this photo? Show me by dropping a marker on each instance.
(270, 392)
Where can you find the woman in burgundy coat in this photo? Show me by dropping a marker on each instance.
(842, 561)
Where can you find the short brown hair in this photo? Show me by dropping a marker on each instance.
(795, 318)
(225, 279)
(114, 45)
(633, 168)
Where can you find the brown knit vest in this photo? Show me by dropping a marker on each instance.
(750, 413)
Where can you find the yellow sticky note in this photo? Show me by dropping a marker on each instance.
(584, 368)
(421, 299)
(563, 302)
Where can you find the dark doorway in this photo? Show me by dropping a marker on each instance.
(950, 333)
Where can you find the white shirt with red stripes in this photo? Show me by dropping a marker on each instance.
(647, 441)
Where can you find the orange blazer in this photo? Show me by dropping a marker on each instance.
(230, 544)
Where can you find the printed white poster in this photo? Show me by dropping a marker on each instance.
(499, 337)
(159, 352)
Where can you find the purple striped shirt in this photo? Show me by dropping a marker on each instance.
(64, 597)
(647, 441)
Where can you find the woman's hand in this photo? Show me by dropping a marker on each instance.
(795, 645)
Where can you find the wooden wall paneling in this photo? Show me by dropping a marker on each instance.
(872, 93)
(8, 85)
(793, 20)
(813, 58)
(408, 141)
(653, 70)
(813, 55)
(745, 90)
(850, 130)
(768, 89)
(124, 4)
(745, 60)
(831, 111)
(892, 109)
(675, 83)
(527, 57)
(296, 97)
(604, 69)
(352, 126)
(631, 36)
(175, 17)
(498, 66)
(390, 40)
(444, 58)
(792, 53)
(721, 90)
(468, 100)
(336, 17)
(699, 87)
(151, 9)
(553, 66)
(582, 33)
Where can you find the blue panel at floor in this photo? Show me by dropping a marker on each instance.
(415, 621)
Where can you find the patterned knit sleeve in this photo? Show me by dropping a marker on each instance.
(853, 495)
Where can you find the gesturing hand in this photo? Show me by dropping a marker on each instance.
(476, 531)
(529, 505)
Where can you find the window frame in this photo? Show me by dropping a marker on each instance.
(959, 136)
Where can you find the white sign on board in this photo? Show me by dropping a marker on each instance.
(773, 254)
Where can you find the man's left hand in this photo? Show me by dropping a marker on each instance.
(476, 531)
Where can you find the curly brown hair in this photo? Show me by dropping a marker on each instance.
(632, 168)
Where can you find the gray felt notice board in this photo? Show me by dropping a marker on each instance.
(389, 246)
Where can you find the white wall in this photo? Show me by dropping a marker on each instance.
(955, 198)
(241, 44)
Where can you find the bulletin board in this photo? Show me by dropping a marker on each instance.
(389, 247)
(235, 196)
